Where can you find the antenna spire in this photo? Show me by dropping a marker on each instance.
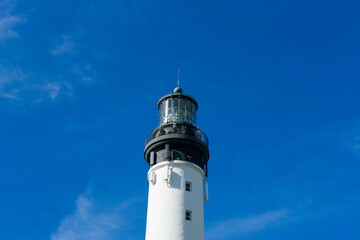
(178, 88)
(178, 84)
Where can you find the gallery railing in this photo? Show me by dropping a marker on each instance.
(176, 128)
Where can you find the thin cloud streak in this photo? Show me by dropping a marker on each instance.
(6, 27)
(92, 221)
(8, 21)
(16, 85)
(242, 226)
(85, 74)
(7, 78)
(10, 95)
(53, 89)
(66, 46)
(354, 144)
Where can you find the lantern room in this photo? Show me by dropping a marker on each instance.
(177, 107)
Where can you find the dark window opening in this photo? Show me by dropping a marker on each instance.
(188, 186)
(188, 215)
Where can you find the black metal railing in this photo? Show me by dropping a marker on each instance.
(177, 128)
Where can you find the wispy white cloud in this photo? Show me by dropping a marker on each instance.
(7, 3)
(69, 88)
(16, 85)
(6, 27)
(7, 78)
(48, 89)
(85, 73)
(354, 144)
(9, 75)
(53, 89)
(8, 21)
(66, 46)
(92, 221)
(241, 226)
(40, 85)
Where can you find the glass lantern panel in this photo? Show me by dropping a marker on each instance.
(177, 110)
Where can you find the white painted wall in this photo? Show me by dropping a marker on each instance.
(168, 200)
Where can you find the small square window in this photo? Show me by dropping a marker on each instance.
(188, 186)
(188, 215)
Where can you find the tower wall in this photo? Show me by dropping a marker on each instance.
(169, 201)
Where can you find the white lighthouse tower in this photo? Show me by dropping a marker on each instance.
(177, 152)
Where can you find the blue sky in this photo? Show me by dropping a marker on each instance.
(278, 89)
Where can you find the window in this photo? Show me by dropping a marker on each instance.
(188, 186)
(188, 215)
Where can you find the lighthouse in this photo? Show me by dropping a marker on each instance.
(177, 152)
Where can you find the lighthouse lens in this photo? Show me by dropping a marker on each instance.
(177, 110)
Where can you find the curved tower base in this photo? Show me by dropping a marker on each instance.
(175, 204)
